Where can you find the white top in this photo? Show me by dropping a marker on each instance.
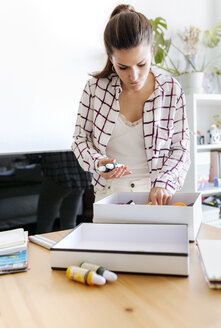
(126, 145)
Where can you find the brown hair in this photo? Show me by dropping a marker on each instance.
(125, 29)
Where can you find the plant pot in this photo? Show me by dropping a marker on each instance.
(191, 82)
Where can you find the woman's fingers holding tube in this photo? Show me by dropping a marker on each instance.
(106, 175)
(127, 172)
(115, 173)
(105, 161)
(119, 172)
(102, 162)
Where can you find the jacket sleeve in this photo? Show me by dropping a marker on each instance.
(83, 147)
(176, 165)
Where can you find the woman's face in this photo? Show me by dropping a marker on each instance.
(133, 65)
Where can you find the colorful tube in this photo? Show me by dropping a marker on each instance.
(84, 276)
(108, 275)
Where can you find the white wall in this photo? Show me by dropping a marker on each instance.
(48, 47)
(217, 11)
(179, 13)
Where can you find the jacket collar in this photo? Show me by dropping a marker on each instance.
(158, 82)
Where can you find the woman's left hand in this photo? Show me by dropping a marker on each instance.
(159, 196)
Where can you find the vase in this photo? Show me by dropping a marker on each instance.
(218, 82)
(210, 83)
(189, 67)
(191, 82)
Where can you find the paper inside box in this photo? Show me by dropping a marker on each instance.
(127, 237)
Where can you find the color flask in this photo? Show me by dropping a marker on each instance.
(84, 276)
(108, 275)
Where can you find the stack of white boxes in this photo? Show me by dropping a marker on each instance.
(135, 237)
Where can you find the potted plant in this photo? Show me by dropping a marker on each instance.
(190, 70)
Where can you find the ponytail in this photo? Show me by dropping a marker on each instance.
(126, 29)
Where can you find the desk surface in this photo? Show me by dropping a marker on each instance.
(44, 298)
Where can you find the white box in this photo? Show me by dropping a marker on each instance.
(110, 210)
(138, 248)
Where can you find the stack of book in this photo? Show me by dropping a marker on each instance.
(215, 165)
(203, 170)
(208, 168)
(13, 251)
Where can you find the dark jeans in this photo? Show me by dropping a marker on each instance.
(56, 200)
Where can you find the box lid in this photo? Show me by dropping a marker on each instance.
(165, 239)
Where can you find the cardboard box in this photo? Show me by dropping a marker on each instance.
(138, 248)
(110, 210)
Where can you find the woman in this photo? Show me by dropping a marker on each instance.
(132, 115)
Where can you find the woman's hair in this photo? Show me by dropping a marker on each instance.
(125, 29)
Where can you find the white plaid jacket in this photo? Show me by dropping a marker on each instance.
(165, 129)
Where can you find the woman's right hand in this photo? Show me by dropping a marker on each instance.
(115, 173)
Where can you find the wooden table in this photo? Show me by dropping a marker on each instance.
(44, 298)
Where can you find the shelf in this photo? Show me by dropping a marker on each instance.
(204, 98)
(209, 147)
(201, 109)
(210, 190)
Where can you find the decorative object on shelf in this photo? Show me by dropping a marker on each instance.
(195, 51)
(200, 139)
(217, 120)
(217, 182)
(203, 170)
(214, 134)
(190, 41)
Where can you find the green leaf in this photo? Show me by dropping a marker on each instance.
(158, 24)
(159, 55)
(159, 39)
(161, 21)
(161, 45)
(167, 45)
(212, 37)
